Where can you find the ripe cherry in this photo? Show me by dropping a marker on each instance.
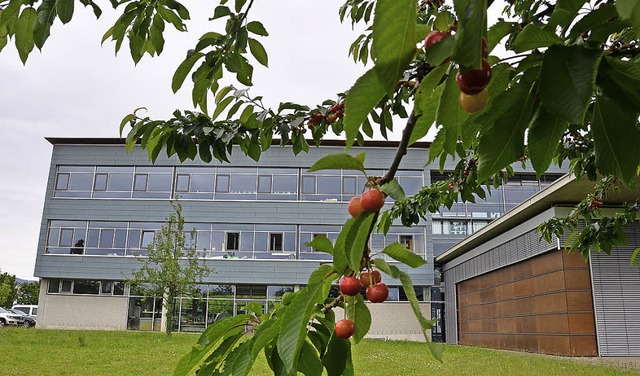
(433, 38)
(345, 329)
(354, 207)
(377, 293)
(369, 279)
(474, 81)
(372, 200)
(474, 103)
(350, 285)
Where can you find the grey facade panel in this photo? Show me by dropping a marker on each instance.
(616, 296)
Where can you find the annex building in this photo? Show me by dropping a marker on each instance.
(506, 288)
(103, 207)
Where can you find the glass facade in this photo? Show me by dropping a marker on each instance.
(213, 240)
(219, 183)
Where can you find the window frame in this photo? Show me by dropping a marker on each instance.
(271, 237)
(226, 241)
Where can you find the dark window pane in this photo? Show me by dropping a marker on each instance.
(233, 241)
(66, 237)
(93, 238)
(147, 238)
(86, 287)
(106, 238)
(120, 182)
(275, 242)
(285, 184)
(54, 286)
(407, 241)
(201, 183)
(329, 185)
(349, 185)
(118, 288)
(140, 182)
(243, 184)
(120, 238)
(63, 182)
(222, 183)
(81, 182)
(182, 183)
(159, 183)
(264, 184)
(101, 182)
(66, 285)
(308, 184)
(106, 287)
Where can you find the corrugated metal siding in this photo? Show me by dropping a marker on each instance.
(515, 250)
(616, 295)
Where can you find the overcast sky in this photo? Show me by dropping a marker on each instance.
(76, 88)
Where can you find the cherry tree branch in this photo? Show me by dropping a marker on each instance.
(402, 149)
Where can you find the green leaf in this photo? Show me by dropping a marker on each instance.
(309, 363)
(501, 140)
(497, 32)
(337, 356)
(393, 48)
(449, 114)
(615, 139)
(472, 21)
(437, 53)
(221, 107)
(207, 341)
(258, 51)
(340, 259)
(398, 252)
(428, 108)
(339, 161)
(629, 11)
(321, 243)
(443, 20)
(361, 317)
(564, 12)
(363, 96)
(394, 190)
(266, 333)
(532, 37)
(567, 80)
(544, 134)
(357, 239)
(220, 11)
(296, 317)
(65, 10)
(597, 17)
(257, 28)
(183, 70)
(24, 33)
(620, 80)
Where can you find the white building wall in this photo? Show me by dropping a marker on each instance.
(59, 311)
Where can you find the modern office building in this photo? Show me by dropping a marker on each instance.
(506, 288)
(103, 207)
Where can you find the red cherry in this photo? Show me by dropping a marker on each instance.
(354, 207)
(350, 285)
(433, 38)
(372, 200)
(474, 81)
(345, 329)
(378, 293)
(369, 279)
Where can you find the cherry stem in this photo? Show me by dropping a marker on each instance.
(336, 302)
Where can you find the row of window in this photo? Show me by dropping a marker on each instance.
(458, 228)
(212, 240)
(85, 287)
(220, 183)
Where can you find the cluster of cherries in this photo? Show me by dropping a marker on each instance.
(335, 112)
(472, 84)
(376, 291)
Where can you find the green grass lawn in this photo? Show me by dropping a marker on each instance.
(63, 352)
